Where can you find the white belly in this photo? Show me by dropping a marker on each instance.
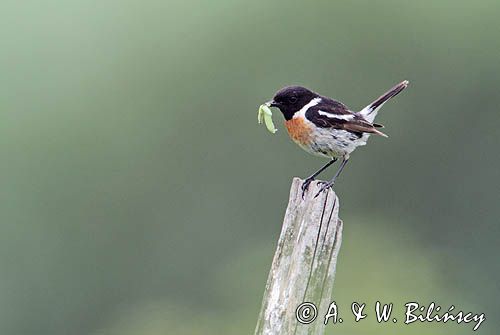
(335, 143)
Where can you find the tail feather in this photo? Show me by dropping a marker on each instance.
(370, 111)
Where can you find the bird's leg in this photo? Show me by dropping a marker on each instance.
(332, 181)
(305, 184)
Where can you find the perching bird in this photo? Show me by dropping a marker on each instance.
(325, 127)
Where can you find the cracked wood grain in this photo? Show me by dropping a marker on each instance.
(303, 268)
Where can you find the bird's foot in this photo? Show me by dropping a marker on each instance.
(325, 187)
(305, 185)
(307, 182)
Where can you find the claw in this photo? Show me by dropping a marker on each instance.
(325, 186)
(305, 186)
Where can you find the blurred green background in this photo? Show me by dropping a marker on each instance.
(139, 195)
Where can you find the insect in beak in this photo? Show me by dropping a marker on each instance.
(272, 103)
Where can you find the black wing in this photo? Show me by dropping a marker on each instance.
(333, 114)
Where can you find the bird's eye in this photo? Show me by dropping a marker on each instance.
(293, 99)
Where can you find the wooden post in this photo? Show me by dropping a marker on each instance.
(303, 267)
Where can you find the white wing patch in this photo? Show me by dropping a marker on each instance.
(346, 117)
(303, 110)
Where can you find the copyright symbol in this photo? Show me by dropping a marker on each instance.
(306, 313)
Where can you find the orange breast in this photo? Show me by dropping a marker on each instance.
(299, 130)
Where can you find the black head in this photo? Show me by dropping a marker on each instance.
(291, 99)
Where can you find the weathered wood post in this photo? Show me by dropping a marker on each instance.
(303, 267)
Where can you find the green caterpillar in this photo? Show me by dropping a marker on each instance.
(266, 115)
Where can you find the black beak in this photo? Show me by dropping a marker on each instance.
(272, 103)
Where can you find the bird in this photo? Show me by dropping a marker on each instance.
(326, 127)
